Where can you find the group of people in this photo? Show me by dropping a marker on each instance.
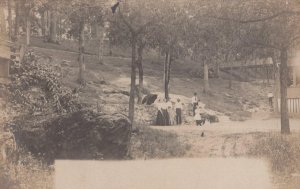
(170, 113)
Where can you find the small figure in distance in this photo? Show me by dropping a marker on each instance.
(194, 102)
(270, 97)
(200, 120)
(178, 109)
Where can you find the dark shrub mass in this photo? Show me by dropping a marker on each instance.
(79, 135)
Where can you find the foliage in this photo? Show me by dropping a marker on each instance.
(31, 173)
(89, 11)
(154, 143)
(36, 74)
(84, 134)
(282, 151)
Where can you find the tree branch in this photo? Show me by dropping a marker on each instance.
(132, 30)
(144, 26)
(294, 13)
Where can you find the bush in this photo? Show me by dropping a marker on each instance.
(79, 135)
(282, 151)
(154, 143)
(6, 182)
(26, 173)
(36, 87)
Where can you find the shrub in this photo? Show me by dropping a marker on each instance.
(282, 151)
(154, 143)
(26, 173)
(80, 135)
(36, 87)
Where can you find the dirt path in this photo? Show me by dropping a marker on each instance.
(231, 139)
(226, 139)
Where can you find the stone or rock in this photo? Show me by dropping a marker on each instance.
(149, 99)
(80, 135)
(211, 118)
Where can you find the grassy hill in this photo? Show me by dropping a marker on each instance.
(103, 80)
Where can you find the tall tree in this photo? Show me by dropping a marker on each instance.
(169, 39)
(140, 49)
(9, 18)
(136, 16)
(274, 27)
(81, 77)
(30, 7)
(53, 22)
(17, 17)
(81, 14)
(2, 18)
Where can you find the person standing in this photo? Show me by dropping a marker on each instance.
(194, 102)
(178, 109)
(270, 97)
(165, 112)
(160, 120)
(171, 112)
(197, 117)
(199, 112)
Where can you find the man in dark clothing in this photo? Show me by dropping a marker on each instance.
(194, 102)
(178, 108)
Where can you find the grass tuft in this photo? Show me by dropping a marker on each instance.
(26, 173)
(153, 144)
(283, 151)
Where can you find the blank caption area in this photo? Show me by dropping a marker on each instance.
(212, 173)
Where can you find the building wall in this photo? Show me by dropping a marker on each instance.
(293, 92)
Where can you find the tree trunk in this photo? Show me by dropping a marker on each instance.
(230, 78)
(255, 63)
(58, 28)
(133, 78)
(2, 20)
(48, 21)
(9, 19)
(28, 30)
(205, 77)
(141, 72)
(268, 78)
(53, 27)
(43, 23)
(166, 75)
(81, 78)
(17, 18)
(285, 125)
(159, 53)
(95, 30)
(100, 51)
(169, 70)
(100, 37)
(276, 85)
(217, 69)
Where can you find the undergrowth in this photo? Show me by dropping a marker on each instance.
(283, 152)
(25, 173)
(36, 87)
(154, 144)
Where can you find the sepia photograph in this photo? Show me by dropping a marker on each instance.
(149, 94)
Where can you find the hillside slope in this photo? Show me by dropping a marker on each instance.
(107, 83)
